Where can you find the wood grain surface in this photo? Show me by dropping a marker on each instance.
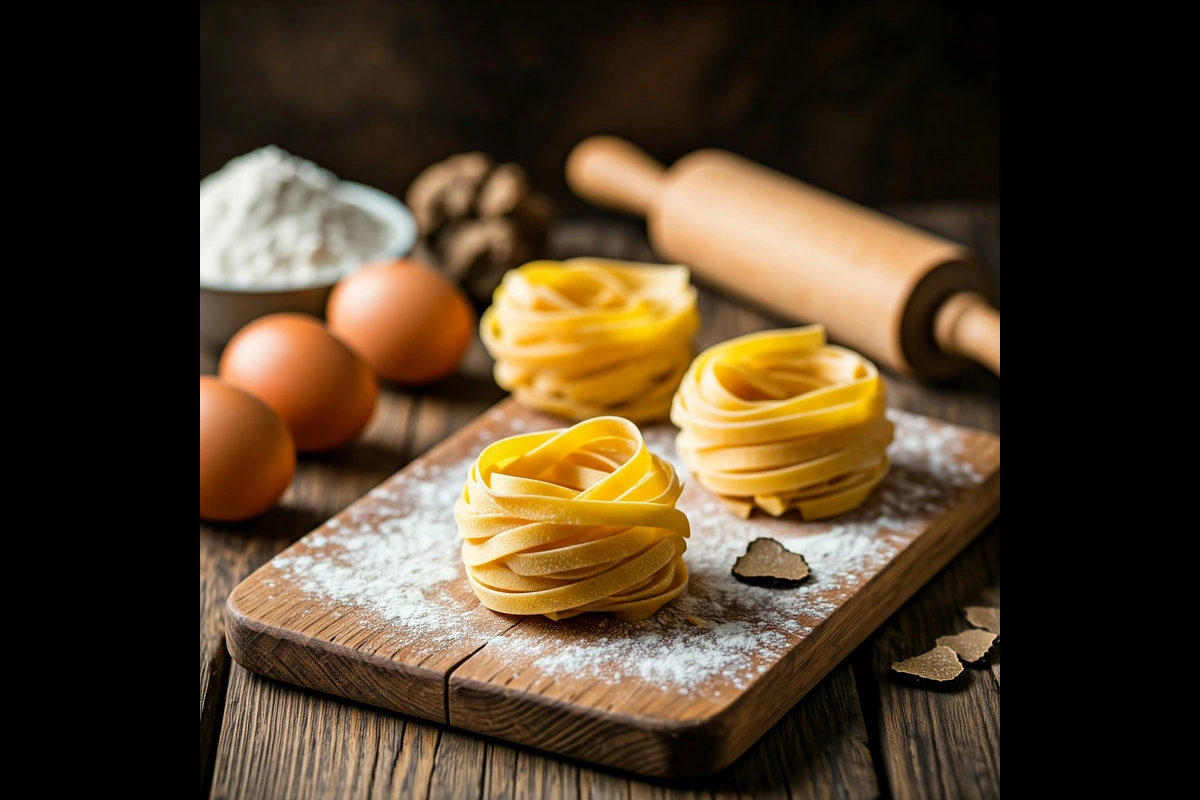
(858, 733)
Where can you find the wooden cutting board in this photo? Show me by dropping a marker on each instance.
(374, 606)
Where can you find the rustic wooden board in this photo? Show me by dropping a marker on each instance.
(373, 606)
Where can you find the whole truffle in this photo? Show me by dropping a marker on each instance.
(478, 219)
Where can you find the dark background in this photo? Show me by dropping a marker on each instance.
(882, 102)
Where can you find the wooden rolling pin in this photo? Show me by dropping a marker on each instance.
(916, 302)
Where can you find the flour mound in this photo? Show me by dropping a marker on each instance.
(270, 219)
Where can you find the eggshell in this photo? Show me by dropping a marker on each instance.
(405, 319)
(247, 458)
(323, 391)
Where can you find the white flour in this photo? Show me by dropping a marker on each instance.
(268, 218)
(397, 562)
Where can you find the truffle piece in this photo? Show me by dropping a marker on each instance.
(447, 190)
(768, 563)
(971, 645)
(984, 617)
(940, 664)
(478, 219)
(503, 191)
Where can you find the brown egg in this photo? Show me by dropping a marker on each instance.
(323, 391)
(407, 320)
(247, 458)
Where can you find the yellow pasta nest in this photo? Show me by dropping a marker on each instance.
(573, 520)
(782, 420)
(588, 337)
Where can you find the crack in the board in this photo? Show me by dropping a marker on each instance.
(454, 667)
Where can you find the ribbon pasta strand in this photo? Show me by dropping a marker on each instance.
(781, 419)
(592, 337)
(573, 520)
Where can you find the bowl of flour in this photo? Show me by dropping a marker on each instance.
(278, 231)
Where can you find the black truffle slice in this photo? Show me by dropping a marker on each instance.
(768, 563)
(940, 664)
(971, 645)
(985, 617)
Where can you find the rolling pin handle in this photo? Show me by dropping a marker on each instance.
(967, 325)
(612, 172)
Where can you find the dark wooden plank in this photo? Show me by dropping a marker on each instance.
(955, 753)
(226, 558)
(277, 742)
(286, 742)
(458, 770)
(818, 749)
(500, 772)
(404, 764)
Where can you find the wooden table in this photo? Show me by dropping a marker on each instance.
(859, 734)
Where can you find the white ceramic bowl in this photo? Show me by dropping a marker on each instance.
(225, 307)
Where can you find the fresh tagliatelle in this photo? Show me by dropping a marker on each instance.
(591, 337)
(780, 420)
(573, 520)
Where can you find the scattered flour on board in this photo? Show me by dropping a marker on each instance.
(396, 557)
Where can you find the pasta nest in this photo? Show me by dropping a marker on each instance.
(780, 419)
(572, 520)
(592, 337)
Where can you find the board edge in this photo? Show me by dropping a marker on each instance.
(289, 646)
